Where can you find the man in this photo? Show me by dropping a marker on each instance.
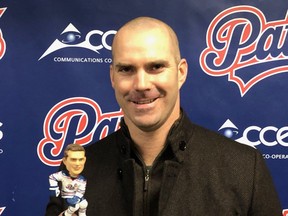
(73, 184)
(159, 163)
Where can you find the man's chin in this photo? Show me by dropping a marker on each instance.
(147, 125)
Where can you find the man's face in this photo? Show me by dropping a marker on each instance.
(75, 162)
(146, 78)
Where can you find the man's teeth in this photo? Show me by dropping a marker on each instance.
(144, 102)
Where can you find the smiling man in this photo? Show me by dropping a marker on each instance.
(159, 163)
(147, 74)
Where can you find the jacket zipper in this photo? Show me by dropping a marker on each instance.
(146, 179)
(145, 191)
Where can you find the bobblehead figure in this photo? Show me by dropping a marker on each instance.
(70, 181)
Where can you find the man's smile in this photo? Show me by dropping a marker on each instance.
(148, 101)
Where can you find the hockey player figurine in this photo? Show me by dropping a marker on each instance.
(73, 184)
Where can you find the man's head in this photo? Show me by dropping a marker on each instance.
(143, 24)
(147, 73)
(74, 159)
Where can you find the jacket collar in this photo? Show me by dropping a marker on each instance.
(177, 138)
(179, 135)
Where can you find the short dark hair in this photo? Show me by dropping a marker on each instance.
(73, 147)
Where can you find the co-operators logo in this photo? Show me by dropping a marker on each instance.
(71, 37)
(2, 40)
(255, 135)
(241, 44)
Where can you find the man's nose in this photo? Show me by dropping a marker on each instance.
(142, 80)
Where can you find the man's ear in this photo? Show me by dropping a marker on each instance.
(112, 75)
(182, 72)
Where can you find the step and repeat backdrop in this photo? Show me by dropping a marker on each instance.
(55, 86)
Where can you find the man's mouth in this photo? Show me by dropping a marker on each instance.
(145, 101)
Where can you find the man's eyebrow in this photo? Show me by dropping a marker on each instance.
(165, 62)
(123, 65)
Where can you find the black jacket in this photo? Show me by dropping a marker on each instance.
(199, 173)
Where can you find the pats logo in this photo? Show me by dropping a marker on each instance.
(2, 41)
(255, 135)
(244, 46)
(75, 120)
(71, 37)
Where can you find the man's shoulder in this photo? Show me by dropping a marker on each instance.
(102, 157)
(109, 139)
(213, 140)
(219, 151)
(106, 145)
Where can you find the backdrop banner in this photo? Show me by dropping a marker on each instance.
(55, 86)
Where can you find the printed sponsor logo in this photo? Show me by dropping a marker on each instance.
(275, 156)
(244, 46)
(285, 212)
(255, 135)
(2, 210)
(75, 120)
(71, 38)
(2, 40)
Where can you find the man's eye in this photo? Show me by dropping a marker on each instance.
(157, 67)
(125, 69)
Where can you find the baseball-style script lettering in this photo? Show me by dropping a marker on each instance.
(74, 120)
(244, 46)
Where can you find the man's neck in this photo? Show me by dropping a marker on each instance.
(150, 143)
